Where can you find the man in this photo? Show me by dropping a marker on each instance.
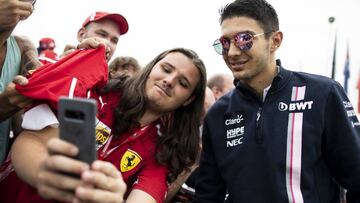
(220, 84)
(123, 66)
(279, 136)
(17, 56)
(99, 28)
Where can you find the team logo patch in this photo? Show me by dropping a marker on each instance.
(234, 128)
(102, 133)
(129, 160)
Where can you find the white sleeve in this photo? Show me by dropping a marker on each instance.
(39, 117)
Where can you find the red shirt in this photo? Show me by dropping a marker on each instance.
(133, 153)
(73, 76)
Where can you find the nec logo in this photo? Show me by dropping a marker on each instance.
(296, 106)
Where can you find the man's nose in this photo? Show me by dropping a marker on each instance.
(233, 49)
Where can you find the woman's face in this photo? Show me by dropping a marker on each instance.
(171, 83)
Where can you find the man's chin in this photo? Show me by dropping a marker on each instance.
(240, 75)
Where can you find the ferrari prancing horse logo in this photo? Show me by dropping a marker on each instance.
(129, 160)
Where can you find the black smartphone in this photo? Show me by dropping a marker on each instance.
(77, 125)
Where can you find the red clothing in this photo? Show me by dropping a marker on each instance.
(133, 153)
(106, 104)
(134, 156)
(48, 56)
(72, 76)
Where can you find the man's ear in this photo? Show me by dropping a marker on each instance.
(276, 40)
(111, 73)
(81, 34)
(187, 102)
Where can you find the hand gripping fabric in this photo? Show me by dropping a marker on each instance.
(73, 76)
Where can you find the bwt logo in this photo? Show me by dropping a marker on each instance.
(297, 106)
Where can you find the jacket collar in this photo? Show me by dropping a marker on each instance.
(279, 81)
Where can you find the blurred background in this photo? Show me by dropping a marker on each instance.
(156, 25)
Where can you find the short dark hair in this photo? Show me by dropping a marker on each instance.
(259, 10)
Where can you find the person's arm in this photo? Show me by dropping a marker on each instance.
(175, 186)
(29, 61)
(11, 101)
(40, 159)
(11, 11)
(137, 196)
(341, 147)
(28, 151)
(210, 187)
(29, 56)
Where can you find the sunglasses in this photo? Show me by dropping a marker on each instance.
(242, 40)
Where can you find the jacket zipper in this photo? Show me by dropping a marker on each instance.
(258, 135)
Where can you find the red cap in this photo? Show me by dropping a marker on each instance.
(47, 43)
(117, 18)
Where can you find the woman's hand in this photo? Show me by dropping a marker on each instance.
(103, 183)
(52, 182)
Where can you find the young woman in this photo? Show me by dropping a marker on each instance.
(154, 137)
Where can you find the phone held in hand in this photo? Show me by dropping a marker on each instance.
(77, 125)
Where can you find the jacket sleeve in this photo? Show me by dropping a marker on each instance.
(210, 187)
(342, 142)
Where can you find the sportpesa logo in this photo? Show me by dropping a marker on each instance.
(295, 106)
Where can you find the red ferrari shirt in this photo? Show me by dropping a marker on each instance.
(73, 76)
(133, 153)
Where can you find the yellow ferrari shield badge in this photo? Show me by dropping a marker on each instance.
(129, 160)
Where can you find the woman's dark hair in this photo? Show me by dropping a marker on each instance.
(178, 147)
